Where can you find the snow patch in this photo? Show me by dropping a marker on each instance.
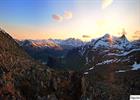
(121, 71)
(91, 68)
(107, 62)
(135, 66)
(85, 73)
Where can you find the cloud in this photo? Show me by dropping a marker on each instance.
(56, 17)
(85, 36)
(67, 15)
(136, 35)
(106, 3)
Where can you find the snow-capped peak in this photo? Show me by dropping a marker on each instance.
(105, 41)
(109, 41)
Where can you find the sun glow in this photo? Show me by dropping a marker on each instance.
(110, 22)
(104, 24)
(110, 39)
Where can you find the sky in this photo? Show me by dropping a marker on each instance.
(61, 19)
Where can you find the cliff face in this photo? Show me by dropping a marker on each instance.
(11, 57)
(17, 69)
(11, 54)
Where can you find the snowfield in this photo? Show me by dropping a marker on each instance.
(123, 54)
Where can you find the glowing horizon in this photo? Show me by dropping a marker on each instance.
(82, 19)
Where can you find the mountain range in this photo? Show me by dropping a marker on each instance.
(107, 68)
(52, 43)
(61, 53)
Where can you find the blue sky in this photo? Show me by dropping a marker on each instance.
(42, 19)
(32, 12)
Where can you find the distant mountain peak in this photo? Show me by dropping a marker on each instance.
(123, 37)
(124, 33)
(107, 35)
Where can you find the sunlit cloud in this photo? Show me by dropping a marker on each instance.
(67, 15)
(106, 3)
(85, 36)
(56, 17)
